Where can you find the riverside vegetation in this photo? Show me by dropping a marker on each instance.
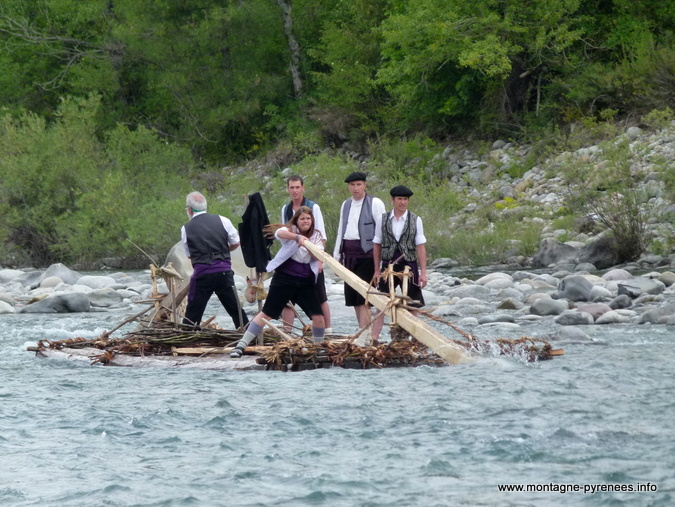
(512, 123)
(486, 203)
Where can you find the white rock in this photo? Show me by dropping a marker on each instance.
(598, 292)
(493, 276)
(499, 284)
(51, 281)
(97, 282)
(612, 317)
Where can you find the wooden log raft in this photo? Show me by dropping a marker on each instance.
(419, 329)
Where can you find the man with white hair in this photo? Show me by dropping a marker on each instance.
(208, 240)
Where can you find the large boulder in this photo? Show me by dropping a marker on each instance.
(548, 306)
(33, 279)
(667, 277)
(97, 282)
(29, 278)
(7, 275)
(619, 302)
(179, 261)
(612, 317)
(574, 318)
(63, 272)
(617, 275)
(105, 298)
(182, 264)
(62, 303)
(575, 288)
(601, 253)
(484, 280)
(595, 309)
(551, 251)
(640, 285)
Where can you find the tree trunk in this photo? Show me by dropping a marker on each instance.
(293, 47)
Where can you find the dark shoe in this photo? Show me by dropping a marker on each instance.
(237, 352)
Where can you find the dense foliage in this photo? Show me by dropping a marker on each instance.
(110, 108)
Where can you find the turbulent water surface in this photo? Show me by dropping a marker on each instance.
(600, 417)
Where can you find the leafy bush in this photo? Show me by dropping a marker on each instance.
(68, 196)
(658, 118)
(491, 244)
(609, 192)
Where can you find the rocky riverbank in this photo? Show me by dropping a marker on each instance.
(565, 298)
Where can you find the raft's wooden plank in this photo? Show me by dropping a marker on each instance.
(441, 345)
(246, 362)
(199, 351)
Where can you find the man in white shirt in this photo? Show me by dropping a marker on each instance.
(296, 189)
(354, 244)
(399, 240)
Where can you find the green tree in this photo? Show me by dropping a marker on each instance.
(344, 62)
(52, 48)
(444, 61)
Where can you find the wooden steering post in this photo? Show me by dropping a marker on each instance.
(441, 345)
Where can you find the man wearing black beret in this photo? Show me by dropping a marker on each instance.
(400, 234)
(354, 242)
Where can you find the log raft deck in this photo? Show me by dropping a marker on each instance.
(159, 339)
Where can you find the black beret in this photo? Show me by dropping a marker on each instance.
(400, 191)
(355, 176)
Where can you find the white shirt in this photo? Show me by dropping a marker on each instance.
(397, 227)
(291, 250)
(318, 219)
(232, 234)
(352, 230)
(301, 254)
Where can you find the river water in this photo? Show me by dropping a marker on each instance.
(600, 417)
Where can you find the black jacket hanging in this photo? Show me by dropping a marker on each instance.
(254, 246)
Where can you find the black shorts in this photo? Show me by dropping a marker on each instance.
(284, 288)
(364, 269)
(414, 290)
(319, 288)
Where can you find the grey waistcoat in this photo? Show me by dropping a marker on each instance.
(207, 239)
(366, 223)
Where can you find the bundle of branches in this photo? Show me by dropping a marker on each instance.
(159, 340)
(291, 354)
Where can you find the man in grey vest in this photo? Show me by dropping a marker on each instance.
(354, 242)
(399, 236)
(207, 240)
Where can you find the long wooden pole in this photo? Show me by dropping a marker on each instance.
(441, 345)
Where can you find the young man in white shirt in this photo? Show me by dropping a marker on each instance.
(296, 189)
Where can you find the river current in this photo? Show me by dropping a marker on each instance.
(600, 419)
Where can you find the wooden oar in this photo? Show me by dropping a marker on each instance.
(447, 349)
